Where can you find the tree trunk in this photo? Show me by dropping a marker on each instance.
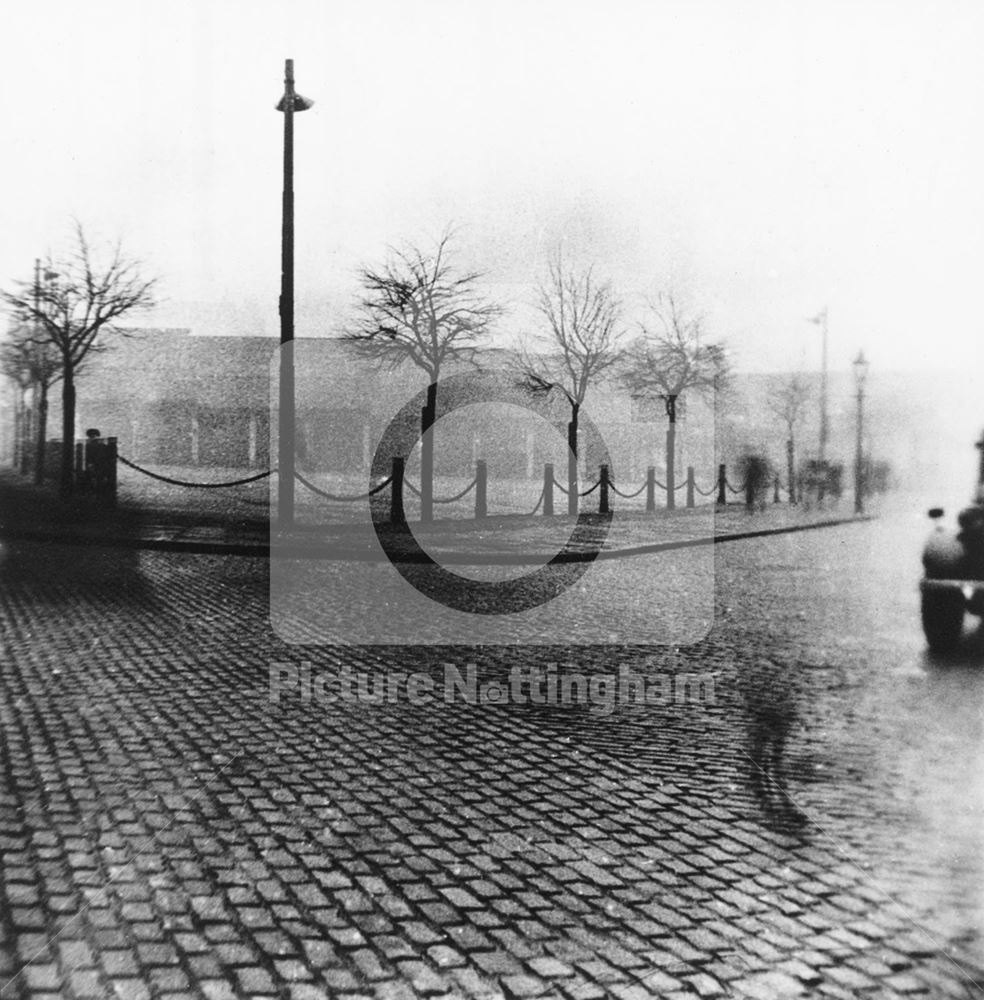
(572, 457)
(791, 469)
(67, 482)
(428, 416)
(671, 465)
(671, 413)
(18, 430)
(42, 436)
(26, 436)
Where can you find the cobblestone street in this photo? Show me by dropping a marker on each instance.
(190, 808)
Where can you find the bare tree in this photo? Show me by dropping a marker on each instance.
(31, 363)
(419, 308)
(14, 368)
(788, 399)
(75, 313)
(668, 359)
(581, 343)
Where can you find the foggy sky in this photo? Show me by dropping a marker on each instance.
(762, 159)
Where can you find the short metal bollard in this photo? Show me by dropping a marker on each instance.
(481, 488)
(548, 481)
(604, 505)
(397, 513)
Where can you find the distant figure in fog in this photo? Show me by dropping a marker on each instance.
(755, 473)
(770, 705)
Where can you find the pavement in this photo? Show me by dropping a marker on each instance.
(236, 522)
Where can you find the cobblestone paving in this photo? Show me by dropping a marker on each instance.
(169, 830)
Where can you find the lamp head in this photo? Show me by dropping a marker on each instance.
(300, 103)
(297, 103)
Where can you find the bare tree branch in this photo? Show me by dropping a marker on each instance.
(789, 398)
(581, 343)
(670, 357)
(74, 312)
(84, 302)
(28, 360)
(418, 308)
(582, 337)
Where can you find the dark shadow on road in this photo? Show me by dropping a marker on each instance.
(66, 568)
(51, 551)
(56, 574)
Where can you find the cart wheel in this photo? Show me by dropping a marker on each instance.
(942, 619)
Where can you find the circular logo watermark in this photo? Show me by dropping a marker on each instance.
(419, 568)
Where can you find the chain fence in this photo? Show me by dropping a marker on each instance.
(626, 496)
(458, 496)
(652, 484)
(199, 486)
(339, 497)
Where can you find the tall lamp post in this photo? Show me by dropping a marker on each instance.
(288, 104)
(44, 372)
(860, 376)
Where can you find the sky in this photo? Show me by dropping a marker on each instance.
(761, 160)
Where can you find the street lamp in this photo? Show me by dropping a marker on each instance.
(288, 104)
(860, 376)
(43, 372)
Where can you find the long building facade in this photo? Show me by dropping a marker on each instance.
(175, 399)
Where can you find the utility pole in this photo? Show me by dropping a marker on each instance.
(43, 371)
(821, 319)
(40, 386)
(288, 104)
(860, 377)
